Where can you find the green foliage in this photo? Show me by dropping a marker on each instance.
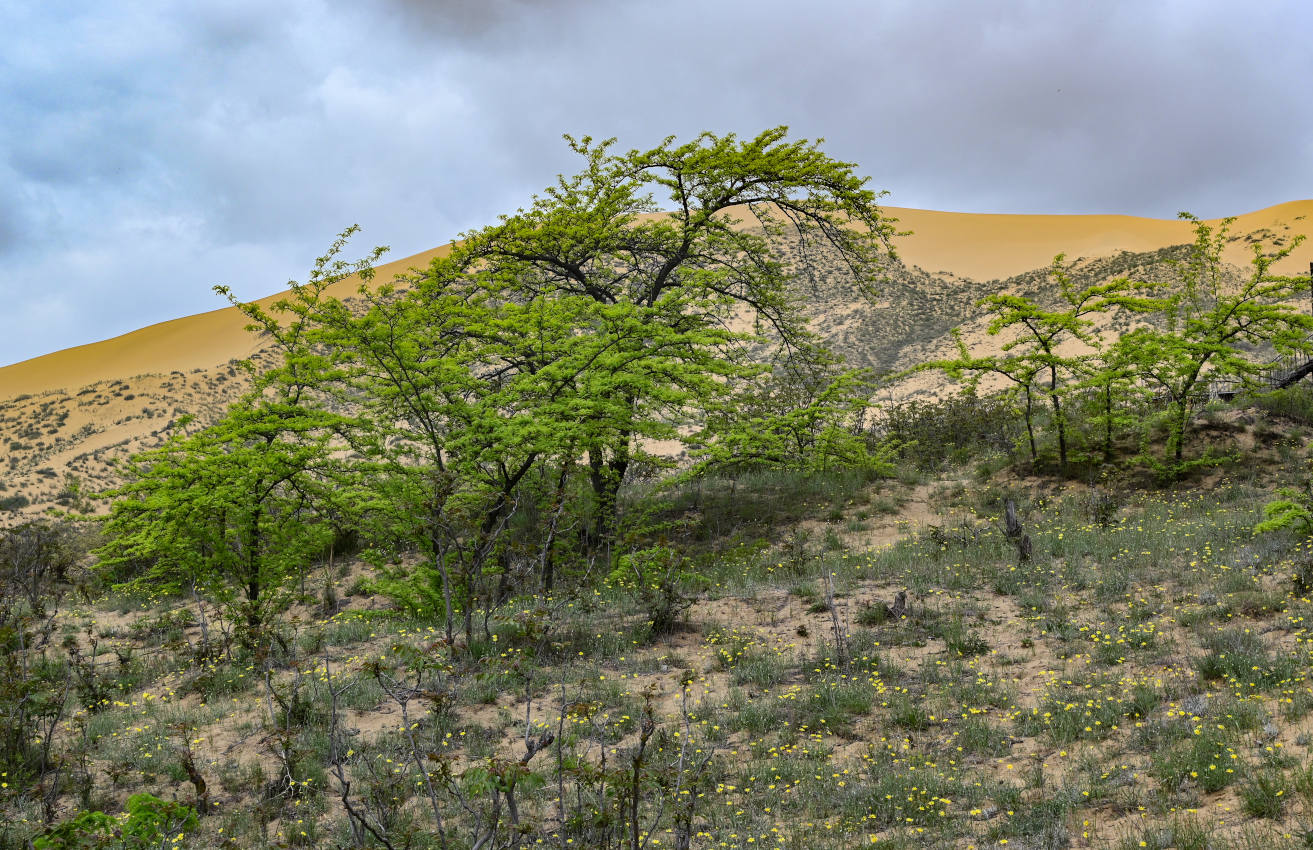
(1294, 403)
(230, 510)
(1039, 335)
(237, 510)
(666, 285)
(661, 579)
(1034, 357)
(578, 329)
(806, 415)
(148, 822)
(1208, 326)
(1203, 327)
(1207, 758)
(951, 430)
(1293, 510)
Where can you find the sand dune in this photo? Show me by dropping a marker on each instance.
(984, 247)
(970, 245)
(201, 341)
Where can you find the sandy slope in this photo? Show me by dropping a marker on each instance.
(984, 247)
(202, 341)
(971, 245)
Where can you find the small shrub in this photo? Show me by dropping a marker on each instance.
(1241, 657)
(1207, 759)
(872, 614)
(960, 640)
(15, 502)
(148, 822)
(1264, 795)
(660, 579)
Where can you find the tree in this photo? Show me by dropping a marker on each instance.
(1043, 333)
(232, 510)
(238, 510)
(467, 387)
(1019, 371)
(549, 347)
(1212, 327)
(1038, 358)
(1111, 376)
(684, 275)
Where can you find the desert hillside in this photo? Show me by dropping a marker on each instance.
(72, 412)
(928, 629)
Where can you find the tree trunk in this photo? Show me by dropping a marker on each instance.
(1057, 418)
(253, 576)
(606, 477)
(1030, 429)
(1178, 428)
(1107, 421)
(558, 501)
(439, 554)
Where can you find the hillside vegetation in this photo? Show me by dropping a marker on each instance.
(1029, 567)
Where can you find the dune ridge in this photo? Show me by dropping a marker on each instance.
(200, 341)
(977, 246)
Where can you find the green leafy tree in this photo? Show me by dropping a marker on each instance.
(1048, 350)
(1110, 377)
(468, 387)
(1019, 372)
(600, 236)
(1050, 341)
(239, 509)
(230, 510)
(1210, 326)
(576, 329)
(805, 414)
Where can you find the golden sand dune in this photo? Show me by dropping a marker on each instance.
(984, 246)
(202, 341)
(970, 245)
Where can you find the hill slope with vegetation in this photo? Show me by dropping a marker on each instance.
(416, 577)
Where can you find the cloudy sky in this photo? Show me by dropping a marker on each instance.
(151, 149)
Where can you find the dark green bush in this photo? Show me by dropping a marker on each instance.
(957, 429)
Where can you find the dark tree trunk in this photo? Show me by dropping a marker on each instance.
(1030, 429)
(439, 554)
(1057, 418)
(1107, 421)
(606, 477)
(558, 500)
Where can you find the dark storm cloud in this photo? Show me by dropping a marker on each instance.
(151, 149)
(486, 20)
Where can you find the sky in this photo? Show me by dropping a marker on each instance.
(151, 149)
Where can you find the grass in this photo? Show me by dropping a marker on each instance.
(1142, 678)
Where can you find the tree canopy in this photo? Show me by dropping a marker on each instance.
(464, 405)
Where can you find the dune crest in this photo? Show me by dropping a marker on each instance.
(977, 246)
